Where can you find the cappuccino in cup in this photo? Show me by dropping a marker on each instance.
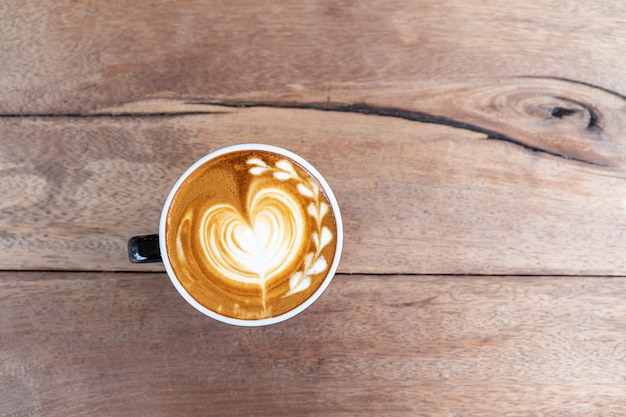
(251, 234)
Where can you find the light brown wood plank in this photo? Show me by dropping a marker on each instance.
(513, 190)
(127, 344)
(64, 56)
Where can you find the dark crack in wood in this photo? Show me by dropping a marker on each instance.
(109, 114)
(593, 116)
(414, 116)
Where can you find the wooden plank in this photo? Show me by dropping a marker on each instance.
(128, 344)
(531, 186)
(63, 56)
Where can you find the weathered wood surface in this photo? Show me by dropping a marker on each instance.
(66, 56)
(452, 149)
(460, 138)
(127, 344)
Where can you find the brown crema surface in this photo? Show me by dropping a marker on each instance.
(250, 234)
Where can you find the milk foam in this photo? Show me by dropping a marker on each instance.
(258, 248)
(253, 237)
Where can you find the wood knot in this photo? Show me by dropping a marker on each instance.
(560, 112)
(569, 113)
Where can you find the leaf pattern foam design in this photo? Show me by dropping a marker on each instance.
(314, 263)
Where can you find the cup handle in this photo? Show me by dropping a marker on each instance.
(142, 249)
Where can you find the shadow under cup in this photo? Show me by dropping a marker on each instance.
(249, 235)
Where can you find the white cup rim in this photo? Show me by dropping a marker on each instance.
(331, 199)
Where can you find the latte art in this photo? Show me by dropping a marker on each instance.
(253, 250)
(254, 235)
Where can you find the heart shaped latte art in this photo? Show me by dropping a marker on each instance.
(255, 247)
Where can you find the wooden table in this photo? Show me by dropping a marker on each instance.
(478, 153)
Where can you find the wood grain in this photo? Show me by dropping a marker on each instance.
(455, 139)
(460, 137)
(533, 185)
(127, 344)
(64, 56)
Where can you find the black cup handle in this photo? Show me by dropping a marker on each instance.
(142, 249)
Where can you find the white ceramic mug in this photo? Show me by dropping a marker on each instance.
(152, 248)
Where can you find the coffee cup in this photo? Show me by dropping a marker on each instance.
(250, 235)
